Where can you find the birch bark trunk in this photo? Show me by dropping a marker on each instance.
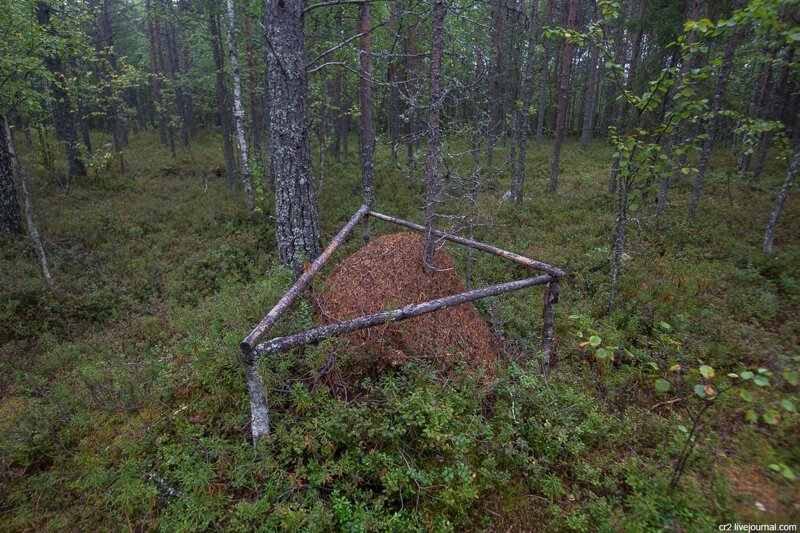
(238, 110)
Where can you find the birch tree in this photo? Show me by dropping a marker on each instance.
(238, 110)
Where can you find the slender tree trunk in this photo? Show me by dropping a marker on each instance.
(713, 121)
(10, 215)
(620, 111)
(434, 134)
(238, 110)
(296, 213)
(590, 98)
(677, 133)
(563, 94)
(222, 99)
(171, 38)
(543, 81)
(776, 101)
(776, 210)
(393, 97)
(11, 152)
(155, 79)
(256, 127)
(112, 100)
(365, 97)
(618, 242)
(63, 114)
(500, 15)
(527, 96)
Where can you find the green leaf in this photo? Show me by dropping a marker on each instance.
(788, 406)
(733, 375)
(662, 385)
(775, 467)
(665, 326)
(595, 341)
(751, 416)
(700, 390)
(682, 428)
(788, 473)
(771, 417)
(602, 353)
(746, 396)
(790, 376)
(761, 381)
(707, 371)
(747, 374)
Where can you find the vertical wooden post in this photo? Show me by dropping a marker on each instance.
(259, 408)
(550, 300)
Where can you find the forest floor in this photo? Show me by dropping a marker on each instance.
(122, 403)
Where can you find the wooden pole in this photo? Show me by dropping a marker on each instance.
(550, 300)
(281, 344)
(522, 260)
(291, 295)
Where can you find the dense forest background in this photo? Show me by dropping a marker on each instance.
(168, 168)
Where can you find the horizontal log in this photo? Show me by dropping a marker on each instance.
(280, 344)
(291, 295)
(521, 259)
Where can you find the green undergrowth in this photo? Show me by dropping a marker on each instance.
(123, 404)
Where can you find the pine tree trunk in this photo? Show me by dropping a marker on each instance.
(713, 121)
(677, 133)
(393, 97)
(500, 15)
(590, 98)
(171, 38)
(365, 98)
(563, 94)
(527, 96)
(256, 127)
(10, 214)
(779, 201)
(155, 79)
(296, 213)
(434, 134)
(775, 103)
(543, 81)
(238, 110)
(222, 100)
(64, 119)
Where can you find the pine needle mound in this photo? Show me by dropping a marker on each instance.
(387, 274)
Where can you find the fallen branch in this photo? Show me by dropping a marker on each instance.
(280, 344)
(291, 295)
(522, 260)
